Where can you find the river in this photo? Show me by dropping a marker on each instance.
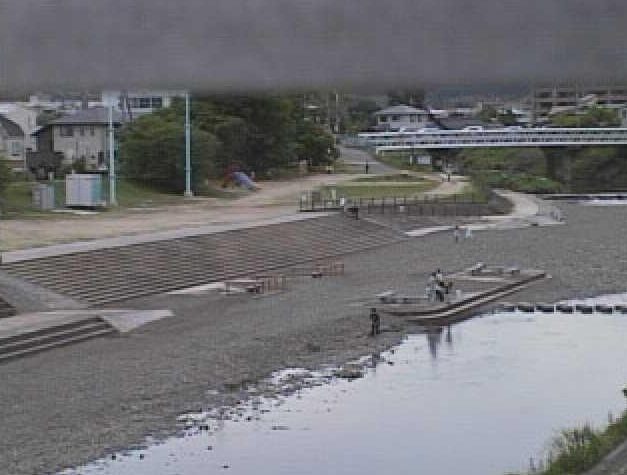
(483, 397)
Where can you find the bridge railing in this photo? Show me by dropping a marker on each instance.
(494, 138)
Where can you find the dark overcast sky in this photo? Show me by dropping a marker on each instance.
(251, 44)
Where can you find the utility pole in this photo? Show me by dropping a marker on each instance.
(112, 198)
(337, 113)
(188, 161)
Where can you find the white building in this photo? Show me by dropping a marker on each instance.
(399, 117)
(139, 102)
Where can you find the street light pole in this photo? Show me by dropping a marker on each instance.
(188, 161)
(112, 198)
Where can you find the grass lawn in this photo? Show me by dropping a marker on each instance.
(396, 177)
(18, 197)
(380, 187)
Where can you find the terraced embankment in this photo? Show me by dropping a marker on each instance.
(115, 274)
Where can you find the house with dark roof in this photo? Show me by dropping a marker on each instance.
(81, 136)
(11, 143)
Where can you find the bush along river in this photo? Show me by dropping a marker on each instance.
(486, 396)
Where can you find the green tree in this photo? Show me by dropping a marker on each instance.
(360, 115)
(152, 151)
(487, 114)
(597, 169)
(315, 145)
(411, 97)
(507, 118)
(592, 117)
(519, 169)
(234, 139)
(5, 179)
(5, 174)
(264, 131)
(259, 133)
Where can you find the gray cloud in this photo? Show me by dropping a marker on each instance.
(260, 44)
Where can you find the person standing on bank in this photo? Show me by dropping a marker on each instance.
(456, 233)
(375, 322)
(367, 167)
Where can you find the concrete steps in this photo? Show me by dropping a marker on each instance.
(6, 309)
(115, 274)
(34, 340)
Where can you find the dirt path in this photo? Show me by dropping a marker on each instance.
(455, 186)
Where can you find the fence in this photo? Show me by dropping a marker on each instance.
(416, 206)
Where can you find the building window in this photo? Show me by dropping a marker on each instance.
(157, 102)
(144, 102)
(383, 118)
(81, 131)
(16, 148)
(92, 130)
(396, 118)
(66, 131)
(413, 118)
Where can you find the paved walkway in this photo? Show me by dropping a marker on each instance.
(527, 211)
(358, 159)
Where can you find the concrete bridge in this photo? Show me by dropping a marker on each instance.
(507, 137)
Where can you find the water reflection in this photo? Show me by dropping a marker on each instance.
(434, 339)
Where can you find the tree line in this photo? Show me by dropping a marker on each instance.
(263, 134)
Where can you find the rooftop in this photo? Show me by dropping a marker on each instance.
(12, 129)
(95, 115)
(400, 109)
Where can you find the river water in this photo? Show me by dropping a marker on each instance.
(480, 398)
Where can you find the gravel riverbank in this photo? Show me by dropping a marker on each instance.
(69, 405)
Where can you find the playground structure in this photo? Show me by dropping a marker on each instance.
(237, 177)
(243, 180)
